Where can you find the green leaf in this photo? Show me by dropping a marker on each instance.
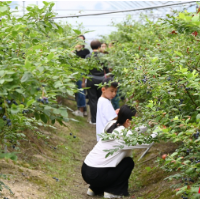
(174, 154)
(2, 72)
(58, 84)
(54, 26)
(26, 77)
(56, 111)
(2, 81)
(30, 102)
(77, 31)
(50, 56)
(43, 118)
(195, 18)
(20, 91)
(47, 112)
(27, 64)
(37, 116)
(47, 108)
(15, 109)
(70, 93)
(64, 113)
(4, 8)
(154, 59)
(148, 169)
(178, 53)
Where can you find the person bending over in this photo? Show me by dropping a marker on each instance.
(110, 175)
(105, 110)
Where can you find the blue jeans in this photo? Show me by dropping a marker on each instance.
(80, 96)
(115, 101)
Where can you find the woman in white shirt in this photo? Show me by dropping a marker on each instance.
(110, 175)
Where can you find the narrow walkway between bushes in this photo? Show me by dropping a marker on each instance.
(51, 167)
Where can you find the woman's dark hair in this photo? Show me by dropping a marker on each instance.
(108, 82)
(125, 112)
(82, 36)
(83, 39)
(95, 44)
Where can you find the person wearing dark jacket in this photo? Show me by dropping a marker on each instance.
(82, 52)
(96, 76)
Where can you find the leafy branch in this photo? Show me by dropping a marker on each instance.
(190, 96)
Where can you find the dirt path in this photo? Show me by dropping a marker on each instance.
(87, 135)
(61, 156)
(21, 177)
(79, 187)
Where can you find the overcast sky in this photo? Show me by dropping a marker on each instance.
(100, 24)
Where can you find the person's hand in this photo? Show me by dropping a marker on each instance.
(83, 84)
(117, 111)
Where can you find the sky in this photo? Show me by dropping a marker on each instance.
(100, 25)
(73, 5)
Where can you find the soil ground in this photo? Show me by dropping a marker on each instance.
(49, 166)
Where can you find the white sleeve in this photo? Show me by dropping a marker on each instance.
(141, 129)
(109, 112)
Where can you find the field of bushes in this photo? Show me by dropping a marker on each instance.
(156, 63)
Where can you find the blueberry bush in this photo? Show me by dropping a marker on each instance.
(37, 64)
(158, 67)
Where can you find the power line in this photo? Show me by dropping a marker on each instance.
(131, 10)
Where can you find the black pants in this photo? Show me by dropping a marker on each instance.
(93, 95)
(113, 180)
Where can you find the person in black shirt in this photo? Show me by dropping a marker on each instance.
(96, 76)
(82, 52)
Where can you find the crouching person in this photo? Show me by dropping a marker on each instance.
(110, 175)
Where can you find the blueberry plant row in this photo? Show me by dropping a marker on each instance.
(158, 67)
(37, 64)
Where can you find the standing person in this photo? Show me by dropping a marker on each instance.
(110, 175)
(104, 46)
(82, 52)
(96, 76)
(105, 110)
(103, 51)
